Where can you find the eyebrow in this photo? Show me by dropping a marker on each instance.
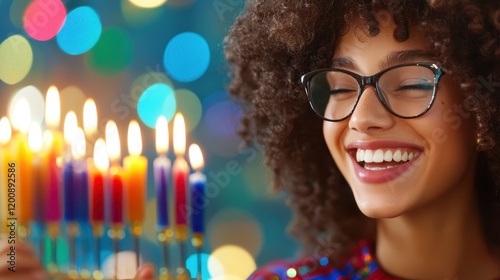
(391, 59)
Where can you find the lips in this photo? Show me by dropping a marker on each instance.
(382, 161)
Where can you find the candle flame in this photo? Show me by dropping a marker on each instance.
(196, 157)
(53, 108)
(5, 131)
(70, 126)
(89, 117)
(179, 135)
(21, 118)
(113, 141)
(161, 135)
(35, 140)
(101, 156)
(78, 144)
(134, 139)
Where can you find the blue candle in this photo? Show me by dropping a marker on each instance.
(69, 193)
(81, 182)
(197, 181)
(161, 167)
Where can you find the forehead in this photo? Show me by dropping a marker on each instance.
(357, 46)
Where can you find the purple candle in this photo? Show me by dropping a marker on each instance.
(69, 192)
(161, 168)
(81, 185)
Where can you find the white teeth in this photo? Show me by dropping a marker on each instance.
(378, 156)
(397, 156)
(388, 156)
(368, 156)
(376, 168)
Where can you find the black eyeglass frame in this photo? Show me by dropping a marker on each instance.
(364, 81)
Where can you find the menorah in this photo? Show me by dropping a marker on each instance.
(51, 181)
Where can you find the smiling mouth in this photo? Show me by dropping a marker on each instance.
(383, 159)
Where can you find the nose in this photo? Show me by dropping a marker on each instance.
(370, 115)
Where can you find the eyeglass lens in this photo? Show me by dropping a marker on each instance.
(406, 91)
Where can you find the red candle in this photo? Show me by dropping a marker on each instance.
(180, 171)
(115, 173)
(101, 163)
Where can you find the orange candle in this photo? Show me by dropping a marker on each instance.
(35, 141)
(135, 167)
(115, 173)
(5, 159)
(23, 159)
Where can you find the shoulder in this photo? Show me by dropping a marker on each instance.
(359, 265)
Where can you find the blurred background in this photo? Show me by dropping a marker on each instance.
(139, 59)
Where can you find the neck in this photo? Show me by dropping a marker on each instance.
(439, 241)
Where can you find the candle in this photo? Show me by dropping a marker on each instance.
(5, 159)
(97, 186)
(197, 181)
(161, 166)
(54, 138)
(80, 176)
(21, 121)
(135, 167)
(115, 173)
(180, 171)
(35, 141)
(70, 127)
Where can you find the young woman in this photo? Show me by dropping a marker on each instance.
(392, 168)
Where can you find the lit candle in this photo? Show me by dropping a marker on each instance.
(180, 171)
(97, 186)
(35, 141)
(70, 127)
(161, 170)
(135, 167)
(197, 181)
(21, 121)
(115, 172)
(5, 159)
(56, 147)
(80, 176)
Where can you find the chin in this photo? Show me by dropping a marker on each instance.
(380, 210)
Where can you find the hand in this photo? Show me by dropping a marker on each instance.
(145, 272)
(26, 265)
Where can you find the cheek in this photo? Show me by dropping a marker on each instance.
(333, 134)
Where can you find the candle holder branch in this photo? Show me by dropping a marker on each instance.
(97, 232)
(165, 237)
(73, 231)
(53, 232)
(136, 233)
(197, 242)
(116, 233)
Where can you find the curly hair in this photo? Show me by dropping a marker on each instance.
(272, 43)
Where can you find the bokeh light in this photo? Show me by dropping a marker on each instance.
(112, 53)
(16, 58)
(192, 266)
(72, 99)
(189, 105)
(143, 82)
(245, 231)
(186, 57)
(43, 19)
(16, 12)
(80, 32)
(35, 100)
(219, 125)
(235, 261)
(148, 3)
(127, 265)
(157, 100)
(180, 3)
(139, 17)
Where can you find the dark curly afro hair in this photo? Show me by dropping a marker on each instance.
(273, 42)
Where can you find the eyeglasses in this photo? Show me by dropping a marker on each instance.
(406, 90)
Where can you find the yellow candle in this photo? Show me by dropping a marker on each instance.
(135, 167)
(5, 158)
(23, 159)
